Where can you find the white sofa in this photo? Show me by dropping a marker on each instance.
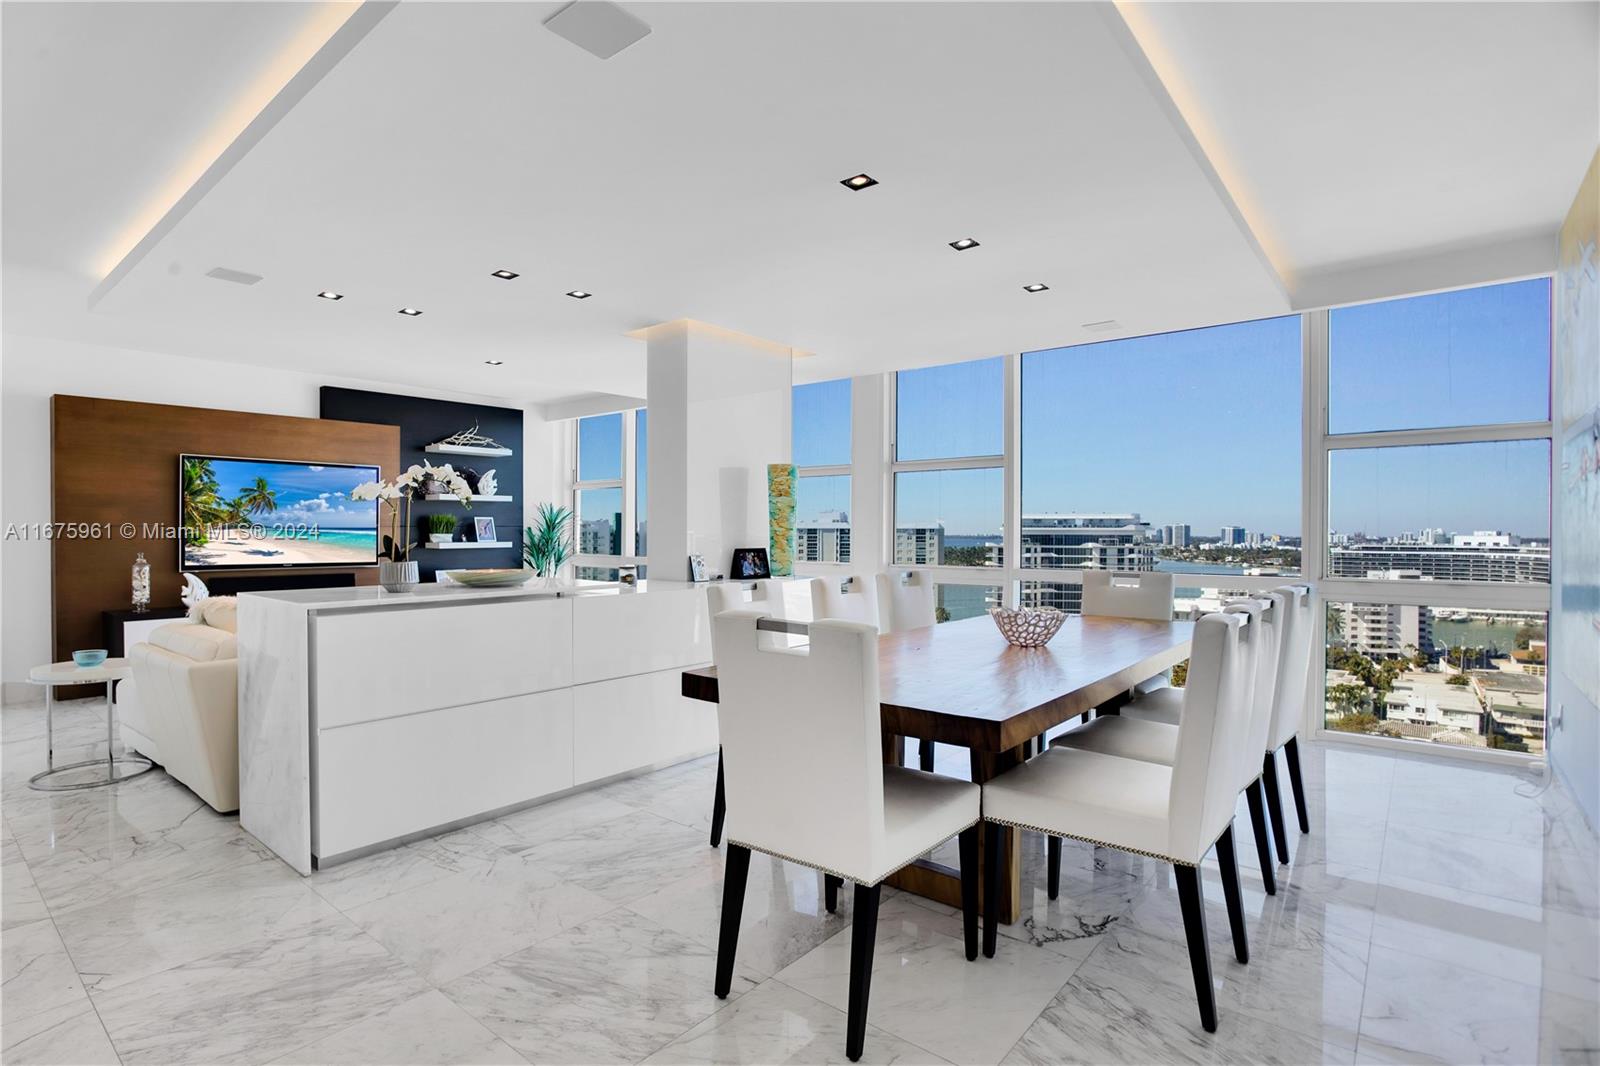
(188, 679)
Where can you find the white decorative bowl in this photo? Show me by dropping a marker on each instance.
(1027, 627)
(492, 579)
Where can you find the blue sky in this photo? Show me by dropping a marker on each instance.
(310, 495)
(1203, 426)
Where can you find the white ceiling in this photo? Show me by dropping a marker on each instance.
(696, 175)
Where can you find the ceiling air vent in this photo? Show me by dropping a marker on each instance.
(238, 277)
(1105, 325)
(599, 27)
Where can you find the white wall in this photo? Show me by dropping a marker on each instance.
(720, 411)
(33, 369)
(1574, 720)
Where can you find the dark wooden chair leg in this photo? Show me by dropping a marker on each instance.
(994, 861)
(1258, 823)
(733, 882)
(1040, 743)
(830, 891)
(969, 887)
(1269, 781)
(1194, 930)
(719, 806)
(1231, 893)
(1053, 852)
(863, 935)
(925, 756)
(1291, 755)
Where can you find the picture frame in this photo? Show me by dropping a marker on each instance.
(697, 568)
(483, 528)
(749, 564)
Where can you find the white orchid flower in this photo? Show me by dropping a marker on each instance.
(367, 490)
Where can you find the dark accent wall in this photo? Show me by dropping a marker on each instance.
(423, 421)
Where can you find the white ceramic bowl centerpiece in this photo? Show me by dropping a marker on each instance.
(1027, 627)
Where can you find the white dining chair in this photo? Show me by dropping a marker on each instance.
(791, 718)
(1125, 594)
(1172, 813)
(1134, 738)
(1289, 706)
(907, 599)
(722, 596)
(1128, 594)
(849, 599)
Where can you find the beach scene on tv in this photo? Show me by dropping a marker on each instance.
(238, 513)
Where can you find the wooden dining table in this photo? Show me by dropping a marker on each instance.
(961, 683)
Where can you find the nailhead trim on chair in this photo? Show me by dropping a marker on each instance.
(840, 873)
(1089, 840)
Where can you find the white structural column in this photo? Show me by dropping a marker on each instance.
(720, 411)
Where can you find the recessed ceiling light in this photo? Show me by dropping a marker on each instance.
(1037, 286)
(859, 182)
(494, 362)
(963, 244)
(579, 294)
(505, 275)
(326, 295)
(412, 311)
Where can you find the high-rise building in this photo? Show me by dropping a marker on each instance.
(1081, 542)
(1469, 557)
(825, 539)
(601, 536)
(1167, 534)
(1232, 535)
(1180, 535)
(919, 544)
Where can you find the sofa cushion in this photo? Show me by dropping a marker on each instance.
(219, 612)
(202, 643)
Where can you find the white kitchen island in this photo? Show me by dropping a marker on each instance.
(369, 718)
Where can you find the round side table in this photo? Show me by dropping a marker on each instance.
(115, 768)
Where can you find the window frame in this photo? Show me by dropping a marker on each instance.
(828, 470)
(1006, 462)
(628, 535)
(1317, 453)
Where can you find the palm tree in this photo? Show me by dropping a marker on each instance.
(259, 496)
(201, 507)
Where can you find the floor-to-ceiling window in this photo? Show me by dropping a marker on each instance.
(1436, 566)
(949, 476)
(608, 493)
(1177, 452)
(821, 428)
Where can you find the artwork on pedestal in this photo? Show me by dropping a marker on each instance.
(780, 518)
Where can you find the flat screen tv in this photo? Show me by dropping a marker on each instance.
(246, 514)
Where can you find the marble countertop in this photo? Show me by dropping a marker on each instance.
(371, 596)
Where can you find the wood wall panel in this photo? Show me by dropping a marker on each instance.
(113, 462)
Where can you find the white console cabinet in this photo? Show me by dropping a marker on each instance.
(368, 718)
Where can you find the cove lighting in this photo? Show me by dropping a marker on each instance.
(963, 244)
(326, 295)
(1037, 286)
(579, 294)
(411, 311)
(859, 182)
(505, 275)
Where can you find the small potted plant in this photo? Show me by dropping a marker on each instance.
(396, 571)
(547, 545)
(441, 528)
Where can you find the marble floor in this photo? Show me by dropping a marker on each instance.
(1438, 911)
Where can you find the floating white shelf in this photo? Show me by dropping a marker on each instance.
(460, 544)
(465, 449)
(475, 499)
